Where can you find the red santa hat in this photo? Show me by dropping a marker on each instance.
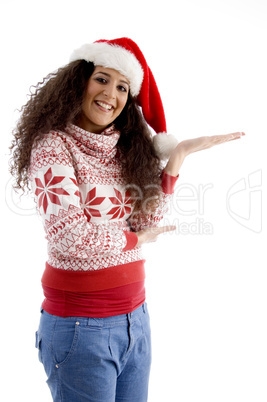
(125, 56)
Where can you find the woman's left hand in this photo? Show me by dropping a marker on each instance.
(198, 144)
(187, 147)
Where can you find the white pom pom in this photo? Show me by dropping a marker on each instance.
(164, 144)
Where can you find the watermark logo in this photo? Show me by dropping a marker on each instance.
(244, 201)
(188, 203)
(189, 200)
(187, 207)
(196, 227)
(17, 203)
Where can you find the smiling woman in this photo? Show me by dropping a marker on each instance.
(105, 97)
(84, 145)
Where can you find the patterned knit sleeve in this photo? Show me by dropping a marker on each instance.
(142, 220)
(68, 231)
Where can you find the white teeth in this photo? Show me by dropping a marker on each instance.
(104, 105)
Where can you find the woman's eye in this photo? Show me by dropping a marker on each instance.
(101, 80)
(122, 88)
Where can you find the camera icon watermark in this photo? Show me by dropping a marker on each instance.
(244, 201)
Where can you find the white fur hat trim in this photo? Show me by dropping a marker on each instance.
(164, 145)
(113, 56)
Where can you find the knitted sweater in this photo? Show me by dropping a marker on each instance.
(87, 211)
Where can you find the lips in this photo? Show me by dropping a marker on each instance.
(103, 105)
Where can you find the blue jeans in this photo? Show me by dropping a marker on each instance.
(96, 359)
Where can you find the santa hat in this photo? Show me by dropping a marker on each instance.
(124, 55)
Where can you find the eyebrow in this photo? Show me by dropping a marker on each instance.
(108, 75)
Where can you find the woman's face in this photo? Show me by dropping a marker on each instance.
(106, 95)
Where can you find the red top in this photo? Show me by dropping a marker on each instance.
(104, 303)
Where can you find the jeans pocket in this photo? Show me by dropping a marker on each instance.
(65, 340)
(38, 342)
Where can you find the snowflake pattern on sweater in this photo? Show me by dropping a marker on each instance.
(81, 197)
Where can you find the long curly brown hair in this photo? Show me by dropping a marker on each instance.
(56, 102)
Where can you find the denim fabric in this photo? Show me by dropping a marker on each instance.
(96, 359)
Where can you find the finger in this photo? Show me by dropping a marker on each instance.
(164, 229)
(220, 139)
(236, 136)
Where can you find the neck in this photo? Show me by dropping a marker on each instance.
(86, 125)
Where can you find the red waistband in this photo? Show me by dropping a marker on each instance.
(88, 281)
(104, 303)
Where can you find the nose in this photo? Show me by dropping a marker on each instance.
(110, 91)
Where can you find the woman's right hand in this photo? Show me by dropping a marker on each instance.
(150, 234)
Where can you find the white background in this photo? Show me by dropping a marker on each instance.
(206, 291)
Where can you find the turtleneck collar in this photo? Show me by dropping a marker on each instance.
(102, 146)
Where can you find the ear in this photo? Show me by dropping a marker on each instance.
(164, 144)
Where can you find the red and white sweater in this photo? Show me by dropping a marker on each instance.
(87, 213)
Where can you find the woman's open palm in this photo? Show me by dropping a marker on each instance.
(200, 143)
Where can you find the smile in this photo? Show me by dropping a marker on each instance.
(104, 105)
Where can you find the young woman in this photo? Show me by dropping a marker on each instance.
(84, 146)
